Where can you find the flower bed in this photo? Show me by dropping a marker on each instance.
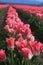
(19, 45)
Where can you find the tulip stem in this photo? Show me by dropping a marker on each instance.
(27, 62)
(5, 63)
(11, 57)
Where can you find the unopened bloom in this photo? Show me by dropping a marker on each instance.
(21, 44)
(35, 47)
(2, 55)
(30, 37)
(10, 42)
(27, 53)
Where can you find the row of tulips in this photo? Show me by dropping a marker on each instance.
(36, 10)
(27, 46)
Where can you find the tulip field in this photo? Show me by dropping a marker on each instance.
(21, 35)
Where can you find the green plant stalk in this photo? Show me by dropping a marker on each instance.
(28, 62)
(11, 57)
(25, 61)
(5, 62)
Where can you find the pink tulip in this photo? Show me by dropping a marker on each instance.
(10, 43)
(35, 47)
(2, 55)
(21, 44)
(6, 27)
(9, 22)
(19, 35)
(27, 53)
(41, 47)
(12, 31)
(26, 29)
